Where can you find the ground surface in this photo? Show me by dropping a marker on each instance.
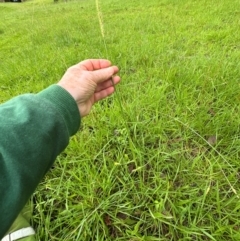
(160, 159)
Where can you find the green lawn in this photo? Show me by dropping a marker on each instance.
(159, 160)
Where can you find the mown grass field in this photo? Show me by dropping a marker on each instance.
(159, 160)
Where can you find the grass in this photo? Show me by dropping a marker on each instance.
(165, 166)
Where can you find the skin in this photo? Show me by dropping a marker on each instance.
(90, 81)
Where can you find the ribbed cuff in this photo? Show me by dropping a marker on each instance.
(65, 104)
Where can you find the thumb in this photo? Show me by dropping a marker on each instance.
(101, 75)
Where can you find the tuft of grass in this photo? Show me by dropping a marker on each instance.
(159, 160)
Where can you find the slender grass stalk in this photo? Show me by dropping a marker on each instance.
(100, 19)
(101, 24)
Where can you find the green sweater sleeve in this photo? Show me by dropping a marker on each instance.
(34, 129)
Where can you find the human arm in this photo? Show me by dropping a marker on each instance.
(34, 129)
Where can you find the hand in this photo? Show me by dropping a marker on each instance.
(90, 81)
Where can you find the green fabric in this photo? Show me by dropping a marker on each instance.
(34, 129)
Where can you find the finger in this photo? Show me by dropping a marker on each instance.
(108, 83)
(94, 64)
(103, 93)
(101, 75)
